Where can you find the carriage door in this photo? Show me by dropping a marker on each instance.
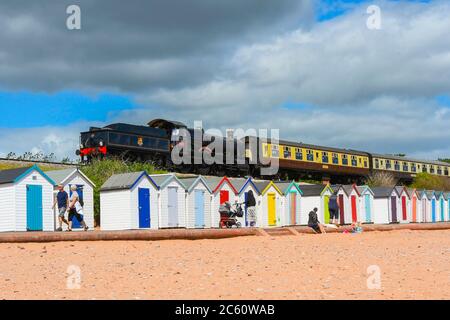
(172, 206)
(144, 208)
(354, 210)
(394, 209)
(442, 210)
(272, 217)
(404, 213)
(433, 210)
(342, 209)
(368, 208)
(75, 223)
(199, 208)
(34, 208)
(326, 210)
(414, 209)
(293, 208)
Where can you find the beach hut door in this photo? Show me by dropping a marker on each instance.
(394, 208)
(293, 208)
(144, 208)
(326, 210)
(424, 210)
(404, 213)
(414, 209)
(342, 208)
(75, 223)
(442, 210)
(368, 209)
(172, 206)
(224, 196)
(34, 208)
(199, 209)
(433, 210)
(271, 209)
(354, 212)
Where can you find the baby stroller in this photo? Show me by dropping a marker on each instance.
(229, 213)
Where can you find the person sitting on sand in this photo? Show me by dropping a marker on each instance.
(314, 223)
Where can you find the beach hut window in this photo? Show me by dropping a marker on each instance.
(354, 161)
(309, 155)
(325, 157)
(298, 154)
(388, 164)
(287, 152)
(335, 158)
(344, 159)
(275, 151)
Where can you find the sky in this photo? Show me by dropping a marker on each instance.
(312, 69)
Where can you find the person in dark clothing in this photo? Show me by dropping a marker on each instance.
(62, 200)
(333, 208)
(250, 204)
(314, 223)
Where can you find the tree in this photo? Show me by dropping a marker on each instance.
(381, 179)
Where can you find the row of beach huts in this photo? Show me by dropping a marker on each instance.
(141, 201)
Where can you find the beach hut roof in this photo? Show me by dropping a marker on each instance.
(190, 183)
(61, 176)
(264, 185)
(15, 175)
(162, 180)
(401, 189)
(242, 187)
(412, 191)
(286, 186)
(315, 189)
(124, 181)
(364, 189)
(383, 192)
(214, 183)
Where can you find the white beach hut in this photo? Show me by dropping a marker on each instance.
(447, 197)
(85, 189)
(26, 199)
(366, 204)
(243, 186)
(386, 202)
(349, 200)
(172, 201)
(222, 191)
(292, 203)
(440, 206)
(271, 204)
(414, 207)
(129, 201)
(425, 205)
(404, 205)
(198, 202)
(315, 196)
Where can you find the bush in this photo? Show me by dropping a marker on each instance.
(101, 170)
(381, 179)
(431, 182)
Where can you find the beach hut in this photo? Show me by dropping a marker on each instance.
(440, 206)
(171, 201)
(447, 197)
(129, 201)
(366, 204)
(243, 186)
(385, 205)
(349, 203)
(315, 196)
(425, 211)
(404, 206)
(85, 190)
(414, 205)
(26, 199)
(198, 202)
(272, 204)
(433, 205)
(222, 191)
(292, 203)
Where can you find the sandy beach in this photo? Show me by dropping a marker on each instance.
(412, 265)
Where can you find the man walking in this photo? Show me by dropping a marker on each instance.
(62, 200)
(76, 209)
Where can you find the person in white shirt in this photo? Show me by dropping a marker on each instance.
(75, 209)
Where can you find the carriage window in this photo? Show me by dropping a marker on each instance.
(405, 166)
(354, 161)
(413, 167)
(122, 139)
(377, 164)
(365, 163)
(439, 170)
(309, 155)
(388, 164)
(345, 160)
(446, 171)
(424, 168)
(432, 169)
(287, 152)
(335, 158)
(325, 157)
(275, 151)
(298, 154)
(397, 166)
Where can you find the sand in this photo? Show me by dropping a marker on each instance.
(412, 265)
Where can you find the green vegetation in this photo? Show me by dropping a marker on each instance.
(431, 182)
(381, 179)
(100, 171)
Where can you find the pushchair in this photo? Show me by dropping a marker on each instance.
(229, 215)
